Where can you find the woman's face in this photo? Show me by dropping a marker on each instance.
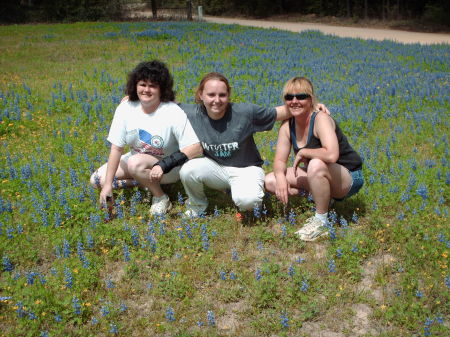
(298, 102)
(149, 93)
(215, 97)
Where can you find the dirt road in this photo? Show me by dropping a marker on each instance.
(354, 32)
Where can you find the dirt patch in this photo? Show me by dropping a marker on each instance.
(379, 34)
(370, 268)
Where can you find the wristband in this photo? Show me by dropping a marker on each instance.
(175, 159)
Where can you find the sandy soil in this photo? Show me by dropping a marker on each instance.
(341, 31)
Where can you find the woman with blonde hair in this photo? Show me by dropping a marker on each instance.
(330, 168)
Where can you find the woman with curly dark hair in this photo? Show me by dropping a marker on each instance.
(156, 130)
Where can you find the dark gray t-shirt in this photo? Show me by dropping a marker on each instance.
(229, 140)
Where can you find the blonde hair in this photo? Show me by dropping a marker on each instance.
(298, 85)
(206, 78)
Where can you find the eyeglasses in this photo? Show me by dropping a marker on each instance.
(290, 97)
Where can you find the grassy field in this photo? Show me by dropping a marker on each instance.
(66, 271)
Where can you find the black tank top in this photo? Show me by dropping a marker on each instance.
(348, 157)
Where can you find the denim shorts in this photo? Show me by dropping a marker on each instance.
(357, 183)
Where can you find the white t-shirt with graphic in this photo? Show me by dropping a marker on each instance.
(159, 133)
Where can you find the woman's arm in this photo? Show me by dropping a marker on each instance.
(283, 113)
(324, 129)
(175, 159)
(113, 163)
(280, 162)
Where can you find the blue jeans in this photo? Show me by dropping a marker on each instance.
(357, 183)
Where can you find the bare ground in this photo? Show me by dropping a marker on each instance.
(341, 31)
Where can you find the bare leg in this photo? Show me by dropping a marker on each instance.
(139, 167)
(124, 178)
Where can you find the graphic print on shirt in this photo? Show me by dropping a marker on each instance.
(225, 150)
(144, 142)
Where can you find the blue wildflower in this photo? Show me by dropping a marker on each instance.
(211, 318)
(170, 314)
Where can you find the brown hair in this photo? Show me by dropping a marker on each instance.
(300, 85)
(206, 78)
(154, 71)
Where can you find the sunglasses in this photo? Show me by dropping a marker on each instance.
(290, 97)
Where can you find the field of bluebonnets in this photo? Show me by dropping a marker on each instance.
(68, 271)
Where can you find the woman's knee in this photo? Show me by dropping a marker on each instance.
(247, 202)
(316, 167)
(96, 180)
(270, 182)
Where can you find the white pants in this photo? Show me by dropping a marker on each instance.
(246, 183)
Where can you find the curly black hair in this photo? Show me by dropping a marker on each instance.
(154, 71)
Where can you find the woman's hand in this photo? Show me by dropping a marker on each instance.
(323, 108)
(281, 189)
(156, 173)
(299, 158)
(105, 193)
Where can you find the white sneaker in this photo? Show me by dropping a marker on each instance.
(191, 213)
(312, 230)
(160, 205)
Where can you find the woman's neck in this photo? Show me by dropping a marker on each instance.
(149, 108)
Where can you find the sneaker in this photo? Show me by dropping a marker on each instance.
(312, 230)
(190, 214)
(160, 205)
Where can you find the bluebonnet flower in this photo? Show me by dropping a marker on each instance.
(89, 240)
(283, 231)
(300, 260)
(44, 333)
(291, 271)
(211, 318)
(109, 284)
(354, 248)
(258, 274)
(123, 307)
(233, 276)
(292, 217)
(422, 191)
(305, 286)
(234, 255)
(222, 275)
(331, 266)
(134, 237)
(419, 294)
(216, 212)
(256, 211)
(66, 248)
(355, 218)
(205, 238)
(113, 329)
(104, 310)
(7, 264)
(68, 277)
(76, 305)
(447, 281)
(32, 315)
(30, 277)
(397, 292)
(200, 324)
(170, 314)
(21, 312)
(339, 252)
(284, 321)
(126, 252)
(259, 245)
(82, 255)
(94, 321)
(58, 318)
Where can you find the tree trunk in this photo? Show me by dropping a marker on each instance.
(154, 9)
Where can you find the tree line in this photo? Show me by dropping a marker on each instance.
(435, 12)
